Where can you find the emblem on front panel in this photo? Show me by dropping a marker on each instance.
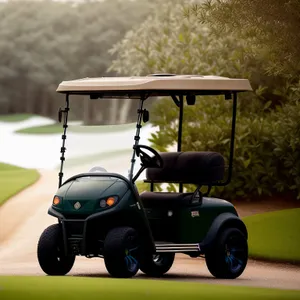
(77, 205)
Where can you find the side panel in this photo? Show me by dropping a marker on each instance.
(188, 223)
(164, 226)
(195, 221)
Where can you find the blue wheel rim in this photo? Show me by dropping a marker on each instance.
(235, 255)
(131, 262)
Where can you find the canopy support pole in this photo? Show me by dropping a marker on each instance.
(137, 136)
(64, 137)
(234, 109)
(180, 132)
(232, 138)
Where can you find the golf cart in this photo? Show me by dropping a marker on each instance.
(101, 214)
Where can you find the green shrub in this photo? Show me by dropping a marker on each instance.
(286, 143)
(266, 157)
(267, 145)
(168, 42)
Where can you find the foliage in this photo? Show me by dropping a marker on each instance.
(286, 146)
(14, 179)
(267, 145)
(168, 42)
(273, 26)
(265, 230)
(264, 153)
(207, 127)
(46, 42)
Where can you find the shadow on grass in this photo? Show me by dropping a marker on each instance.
(177, 277)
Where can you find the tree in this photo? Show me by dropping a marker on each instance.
(44, 42)
(272, 25)
(167, 42)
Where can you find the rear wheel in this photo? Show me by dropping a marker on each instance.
(229, 256)
(121, 252)
(50, 252)
(157, 265)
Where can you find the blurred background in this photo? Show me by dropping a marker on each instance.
(45, 42)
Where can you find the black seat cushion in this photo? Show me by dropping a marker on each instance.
(189, 167)
(165, 200)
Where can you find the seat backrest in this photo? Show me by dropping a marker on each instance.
(189, 167)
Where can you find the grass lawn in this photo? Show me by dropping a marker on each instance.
(15, 117)
(76, 288)
(57, 128)
(145, 186)
(275, 235)
(89, 159)
(142, 186)
(13, 179)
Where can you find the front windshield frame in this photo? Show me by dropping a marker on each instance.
(180, 104)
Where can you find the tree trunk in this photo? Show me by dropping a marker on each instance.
(125, 109)
(87, 111)
(114, 107)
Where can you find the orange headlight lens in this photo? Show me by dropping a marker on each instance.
(111, 201)
(56, 200)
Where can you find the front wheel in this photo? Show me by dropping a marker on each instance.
(50, 252)
(228, 257)
(121, 252)
(157, 265)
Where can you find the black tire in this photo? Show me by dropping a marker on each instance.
(50, 252)
(121, 252)
(229, 256)
(157, 265)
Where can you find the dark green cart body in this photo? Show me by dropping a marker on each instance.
(101, 214)
(85, 228)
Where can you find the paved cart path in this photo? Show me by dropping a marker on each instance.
(24, 217)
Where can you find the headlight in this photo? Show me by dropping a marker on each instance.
(110, 201)
(56, 200)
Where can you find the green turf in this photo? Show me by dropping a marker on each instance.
(275, 235)
(14, 179)
(15, 117)
(57, 128)
(142, 186)
(145, 186)
(45, 129)
(89, 159)
(76, 288)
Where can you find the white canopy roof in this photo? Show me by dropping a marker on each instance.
(156, 84)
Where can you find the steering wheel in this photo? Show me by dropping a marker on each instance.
(146, 159)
